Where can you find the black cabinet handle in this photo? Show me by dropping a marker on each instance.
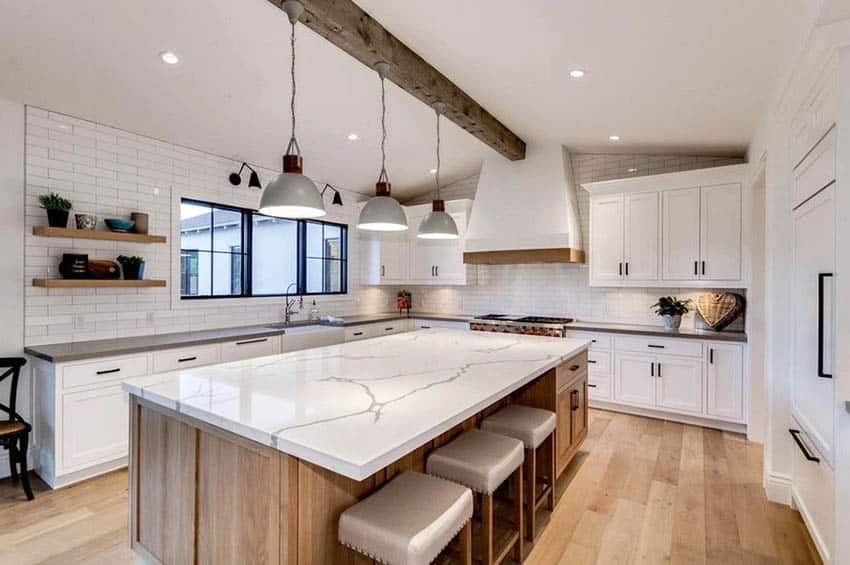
(627, 268)
(425, 327)
(389, 329)
(357, 334)
(108, 371)
(659, 370)
(652, 369)
(437, 270)
(711, 355)
(185, 359)
(821, 278)
(621, 269)
(591, 361)
(696, 268)
(574, 368)
(383, 270)
(796, 435)
(656, 346)
(592, 341)
(703, 267)
(573, 400)
(590, 385)
(246, 342)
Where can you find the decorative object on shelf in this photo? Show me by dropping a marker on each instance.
(438, 224)
(382, 212)
(133, 267)
(119, 224)
(104, 269)
(719, 309)
(671, 310)
(141, 221)
(253, 180)
(404, 301)
(291, 194)
(85, 221)
(74, 266)
(57, 209)
(337, 201)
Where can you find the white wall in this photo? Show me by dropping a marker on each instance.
(12, 264)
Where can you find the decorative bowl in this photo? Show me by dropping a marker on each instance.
(119, 224)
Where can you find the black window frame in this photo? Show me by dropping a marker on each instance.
(247, 219)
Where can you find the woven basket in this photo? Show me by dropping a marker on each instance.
(719, 309)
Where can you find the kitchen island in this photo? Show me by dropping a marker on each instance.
(253, 461)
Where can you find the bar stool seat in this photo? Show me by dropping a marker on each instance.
(529, 425)
(532, 426)
(483, 461)
(409, 521)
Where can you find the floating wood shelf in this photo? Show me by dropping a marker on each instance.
(97, 283)
(104, 235)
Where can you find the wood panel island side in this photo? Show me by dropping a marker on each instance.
(254, 461)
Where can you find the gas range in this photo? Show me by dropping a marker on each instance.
(528, 325)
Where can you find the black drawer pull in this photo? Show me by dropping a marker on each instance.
(108, 371)
(591, 361)
(389, 329)
(358, 334)
(703, 267)
(574, 368)
(696, 267)
(652, 369)
(656, 346)
(185, 359)
(711, 355)
(424, 327)
(796, 435)
(591, 386)
(592, 341)
(573, 400)
(265, 339)
(659, 370)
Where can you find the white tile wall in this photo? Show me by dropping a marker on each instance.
(563, 289)
(110, 172)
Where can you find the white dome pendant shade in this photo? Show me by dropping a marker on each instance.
(292, 195)
(438, 224)
(382, 212)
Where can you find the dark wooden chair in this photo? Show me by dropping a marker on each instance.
(14, 432)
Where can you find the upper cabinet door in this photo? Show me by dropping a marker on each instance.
(394, 262)
(641, 237)
(606, 238)
(449, 263)
(680, 253)
(721, 233)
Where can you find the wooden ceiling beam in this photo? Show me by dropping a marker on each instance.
(347, 26)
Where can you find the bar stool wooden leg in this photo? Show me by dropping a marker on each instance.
(552, 473)
(487, 527)
(519, 549)
(465, 539)
(531, 487)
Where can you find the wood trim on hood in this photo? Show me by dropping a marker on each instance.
(521, 256)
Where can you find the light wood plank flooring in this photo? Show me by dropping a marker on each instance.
(641, 491)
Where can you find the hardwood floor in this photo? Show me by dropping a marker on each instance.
(640, 491)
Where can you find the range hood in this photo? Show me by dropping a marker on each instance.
(525, 211)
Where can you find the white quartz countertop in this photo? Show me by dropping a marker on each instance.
(356, 407)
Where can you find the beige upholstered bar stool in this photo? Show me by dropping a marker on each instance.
(483, 461)
(532, 426)
(410, 521)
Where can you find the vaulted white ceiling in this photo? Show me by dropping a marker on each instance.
(666, 75)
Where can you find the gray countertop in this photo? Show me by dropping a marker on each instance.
(387, 316)
(635, 329)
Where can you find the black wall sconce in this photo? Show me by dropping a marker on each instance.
(337, 201)
(253, 180)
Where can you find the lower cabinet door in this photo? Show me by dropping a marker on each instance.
(635, 379)
(94, 427)
(679, 384)
(725, 381)
(579, 410)
(564, 428)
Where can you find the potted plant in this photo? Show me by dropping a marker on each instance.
(57, 209)
(671, 309)
(132, 267)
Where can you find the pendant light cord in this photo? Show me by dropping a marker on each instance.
(383, 177)
(437, 172)
(293, 143)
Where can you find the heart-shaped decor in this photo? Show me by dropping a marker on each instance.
(719, 309)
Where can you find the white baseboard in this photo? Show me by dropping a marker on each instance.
(777, 486)
(671, 416)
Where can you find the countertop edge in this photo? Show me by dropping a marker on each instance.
(737, 337)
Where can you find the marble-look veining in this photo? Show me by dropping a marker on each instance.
(356, 407)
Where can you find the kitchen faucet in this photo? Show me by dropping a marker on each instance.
(289, 309)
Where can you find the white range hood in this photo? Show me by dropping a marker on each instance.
(525, 211)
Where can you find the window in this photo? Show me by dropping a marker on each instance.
(236, 252)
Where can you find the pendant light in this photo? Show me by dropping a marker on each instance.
(438, 224)
(292, 195)
(382, 212)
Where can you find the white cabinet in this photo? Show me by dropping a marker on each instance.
(724, 374)
(172, 359)
(679, 229)
(813, 489)
(424, 324)
(679, 384)
(309, 337)
(634, 379)
(641, 237)
(680, 234)
(720, 232)
(606, 238)
(94, 427)
(394, 257)
(249, 348)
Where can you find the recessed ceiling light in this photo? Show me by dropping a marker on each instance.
(169, 57)
(433, 171)
(353, 137)
(576, 73)
(614, 137)
(631, 170)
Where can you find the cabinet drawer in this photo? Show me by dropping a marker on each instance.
(249, 348)
(599, 386)
(659, 346)
(597, 340)
(571, 370)
(421, 324)
(356, 333)
(94, 427)
(104, 370)
(816, 171)
(598, 363)
(173, 359)
(812, 490)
